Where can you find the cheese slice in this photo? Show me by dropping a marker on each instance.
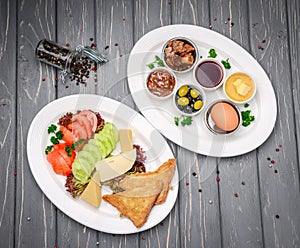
(115, 166)
(243, 89)
(92, 192)
(126, 140)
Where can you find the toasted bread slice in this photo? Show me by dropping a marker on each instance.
(133, 205)
(163, 174)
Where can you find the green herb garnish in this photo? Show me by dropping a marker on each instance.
(226, 63)
(183, 120)
(69, 150)
(48, 149)
(52, 128)
(212, 53)
(77, 143)
(158, 61)
(54, 140)
(247, 118)
(246, 105)
(59, 135)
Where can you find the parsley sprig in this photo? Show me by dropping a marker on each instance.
(247, 118)
(183, 120)
(158, 61)
(55, 139)
(226, 63)
(212, 53)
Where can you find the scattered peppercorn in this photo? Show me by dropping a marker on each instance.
(15, 173)
(280, 145)
(162, 224)
(259, 46)
(236, 195)
(268, 158)
(143, 238)
(275, 171)
(43, 79)
(243, 183)
(200, 190)
(91, 39)
(277, 216)
(105, 48)
(277, 149)
(263, 41)
(67, 44)
(231, 24)
(116, 44)
(273, 161)
(215, 18)
(187, 183)
(56, 79)
(218, 179)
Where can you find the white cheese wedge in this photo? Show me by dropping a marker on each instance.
(243, 89)
(126, 140)
(92, 192)
(115, 166)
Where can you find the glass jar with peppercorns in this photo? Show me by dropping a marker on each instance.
(77, 63)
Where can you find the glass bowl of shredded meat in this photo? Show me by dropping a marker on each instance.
(180, 54)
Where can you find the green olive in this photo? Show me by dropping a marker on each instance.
(194, 93)
(198, 105)
(183, 90)
(183, 101)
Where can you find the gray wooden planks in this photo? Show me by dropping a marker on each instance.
(35, 216)
(279, 191)
(241, 221)
(7, 121)
(248, 220)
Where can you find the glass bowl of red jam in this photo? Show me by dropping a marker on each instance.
(209, 74)
(160, 83)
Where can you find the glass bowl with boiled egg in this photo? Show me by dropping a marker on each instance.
(189, 99)
(239, 87)
(222, 117)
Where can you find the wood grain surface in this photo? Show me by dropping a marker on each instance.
(244, 201)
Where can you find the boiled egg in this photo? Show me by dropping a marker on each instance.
(225, 116)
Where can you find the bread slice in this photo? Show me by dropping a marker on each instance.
(163, 174)
(135, 207)
(142, 191)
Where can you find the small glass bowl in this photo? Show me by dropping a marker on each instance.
(152, 92)
(235, 75)
(193, 53)
(210, 61)
(211, 125)
(188, 109)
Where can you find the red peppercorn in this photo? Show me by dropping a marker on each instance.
(259, 47)
(277, 149)
(187, 183)
(68, 44)
(273, 161)
(162, 224)
(275, 171)
(67, 86)
(43, 79)
(123, 19)
(143, 238)
(215, 18)
(15, 173)
(236, 195)
(93, 68)
(218, 179)
(263, 41)
(56, 79)
(280, 145)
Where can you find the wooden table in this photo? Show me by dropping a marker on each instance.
(253, 205)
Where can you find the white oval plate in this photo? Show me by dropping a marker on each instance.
(106, 217)
(197, 137)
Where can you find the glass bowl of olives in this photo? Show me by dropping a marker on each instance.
(189, 99)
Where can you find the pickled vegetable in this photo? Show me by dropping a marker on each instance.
(194, 93)
(198, 104)
(183, 90)
(183, 101)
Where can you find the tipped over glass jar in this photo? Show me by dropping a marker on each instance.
(76, 63)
